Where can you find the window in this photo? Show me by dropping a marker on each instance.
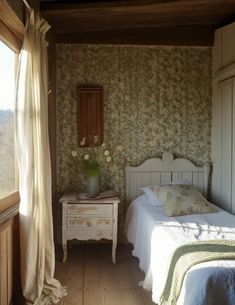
(8, 172)
(11, 38)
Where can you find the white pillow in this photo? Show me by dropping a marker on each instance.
(153, 199)
(152, 196)
(183, 200)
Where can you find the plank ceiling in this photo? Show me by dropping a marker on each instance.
(162, 22)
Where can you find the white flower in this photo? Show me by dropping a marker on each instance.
(74, 153)
(86, 157)
(103, 145)
(108, 159)
(119, 147)
(106, 152)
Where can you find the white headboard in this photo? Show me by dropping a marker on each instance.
(155, 171)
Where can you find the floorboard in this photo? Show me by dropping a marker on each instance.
(92, 279)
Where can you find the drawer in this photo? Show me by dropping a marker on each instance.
(87, 234)
(88, 222)
(90, 209)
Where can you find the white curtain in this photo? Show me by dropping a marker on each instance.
(36, 227)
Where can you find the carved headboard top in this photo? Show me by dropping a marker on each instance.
(155, 171)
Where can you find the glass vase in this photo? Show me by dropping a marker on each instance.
(93, 186)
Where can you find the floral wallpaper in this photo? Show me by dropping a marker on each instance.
(155, 99)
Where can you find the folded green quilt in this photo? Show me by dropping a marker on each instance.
(189, 255)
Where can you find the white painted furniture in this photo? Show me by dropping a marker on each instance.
(89, 219)
(223, 119)
(162, 170)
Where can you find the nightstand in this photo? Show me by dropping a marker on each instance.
(85, 219)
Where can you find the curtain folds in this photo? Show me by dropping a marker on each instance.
(32, 140)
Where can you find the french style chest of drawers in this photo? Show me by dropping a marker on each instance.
(89, 219)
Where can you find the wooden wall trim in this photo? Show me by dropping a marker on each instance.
(10, 288)
(9, 213)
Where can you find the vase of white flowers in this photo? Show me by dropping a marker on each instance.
(93, 160)
(92, 172)
(93, 186)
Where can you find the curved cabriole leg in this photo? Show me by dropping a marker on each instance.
(114, 252)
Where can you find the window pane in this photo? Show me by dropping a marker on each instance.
(7, 102)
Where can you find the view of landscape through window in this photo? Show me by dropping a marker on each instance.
(7, 102)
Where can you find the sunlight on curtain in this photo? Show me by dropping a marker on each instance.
(36, 227)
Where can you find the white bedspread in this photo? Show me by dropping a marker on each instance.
(155, 237)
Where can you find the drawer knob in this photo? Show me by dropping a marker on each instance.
(88, 223)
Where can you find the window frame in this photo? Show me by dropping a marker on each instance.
(11, 27)
(11, 33)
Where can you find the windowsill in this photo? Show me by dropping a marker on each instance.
(9, 213)
(9, 201)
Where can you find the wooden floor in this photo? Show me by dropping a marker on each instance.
(92, 279)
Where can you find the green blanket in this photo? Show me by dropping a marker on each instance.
(189, 255)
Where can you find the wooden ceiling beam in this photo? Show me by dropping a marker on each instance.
(125, 22)
(126, 15)
(108, 21)
(192, 7)
(173, 36)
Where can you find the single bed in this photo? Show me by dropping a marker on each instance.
(156, 236)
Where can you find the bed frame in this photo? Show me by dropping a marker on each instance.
(155, 171)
